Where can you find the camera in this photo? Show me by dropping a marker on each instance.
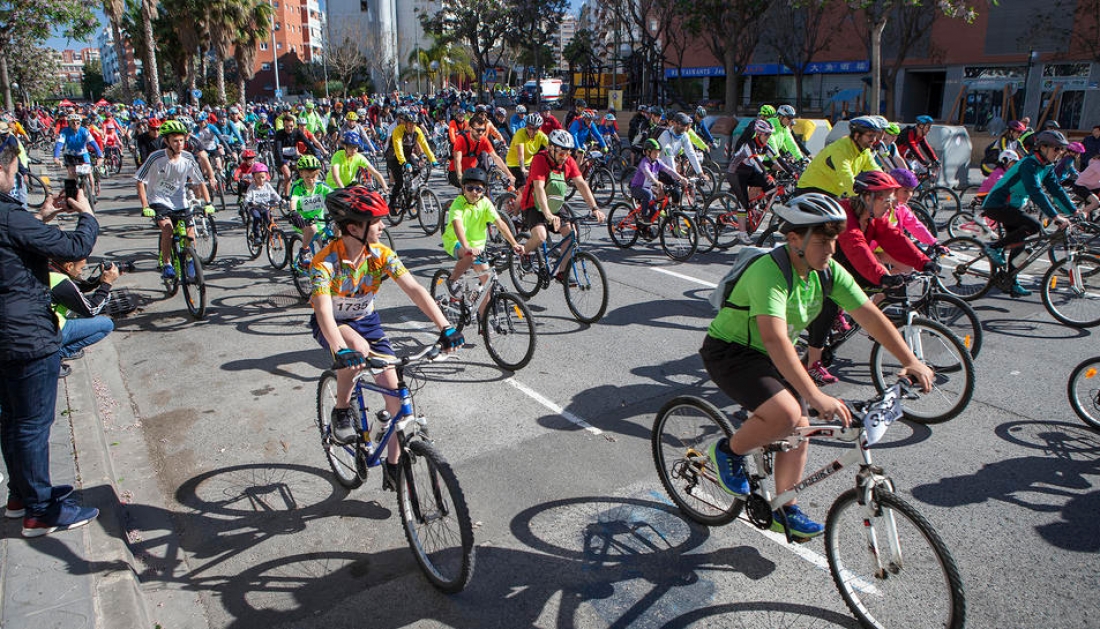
(70, 188)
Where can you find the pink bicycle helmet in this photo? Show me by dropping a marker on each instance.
(259, 167)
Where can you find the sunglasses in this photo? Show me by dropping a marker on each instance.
(474, 188)
(478, 129)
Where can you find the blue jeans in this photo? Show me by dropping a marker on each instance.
(28, 398)
(644, 196)
(80, 333)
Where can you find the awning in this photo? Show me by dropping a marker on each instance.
(845, 96)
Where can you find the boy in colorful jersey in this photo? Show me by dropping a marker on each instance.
(307, 200)
(346, 275)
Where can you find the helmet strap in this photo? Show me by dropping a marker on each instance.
(801, 251)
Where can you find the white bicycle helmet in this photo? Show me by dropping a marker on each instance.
(786, 111)
(533, 119)
(1008, 155)
(561, 139)
(809, 210)
(520, 109)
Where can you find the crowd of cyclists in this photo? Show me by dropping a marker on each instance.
(845, 223)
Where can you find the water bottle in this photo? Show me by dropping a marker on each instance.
(378, 428)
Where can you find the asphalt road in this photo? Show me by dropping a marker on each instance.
(233, 511)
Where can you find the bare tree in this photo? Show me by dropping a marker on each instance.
(346, 62)
(905, 27)
(731, 30)
(797, 34)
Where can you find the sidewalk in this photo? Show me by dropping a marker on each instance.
(80, 578)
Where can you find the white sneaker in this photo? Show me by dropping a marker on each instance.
(744, 238)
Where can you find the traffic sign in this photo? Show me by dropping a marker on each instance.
(197, 94)
(278, 94)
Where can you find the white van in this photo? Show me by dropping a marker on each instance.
(552, 90)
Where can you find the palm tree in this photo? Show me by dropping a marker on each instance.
(149, 64)
(226, 18)
(255, 28)
(114, 10)
(190, 25)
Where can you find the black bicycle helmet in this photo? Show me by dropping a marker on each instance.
(475, 174)
(1051, 138)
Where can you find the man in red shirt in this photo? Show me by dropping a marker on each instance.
(551, 172)
(913, 143)
(470, 147)
(549, 122)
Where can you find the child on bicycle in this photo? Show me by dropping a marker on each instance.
(307, 203)
(346, 274)
(259, 199)
(749, 349)
(243, 173)
(903, 218)
(467, 228)
(645, 187)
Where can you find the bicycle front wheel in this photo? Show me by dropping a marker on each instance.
(586, 288)
(430, 215)
(526, 271)
(726, 211)
(255, 243)
(602, 184)
(958, 316)
(206, 238)
(1083, 390)
(891, 567)
(939, 348)
(194, 285)
(509, 331)
(941, 201)
(685, 428)
(679, 239)
(435, 517)
(299, 267)
(708, 232)
(451, 308)
(345, 464)
(622, 225)
(967, 271)
(1071, 291)
(37, 191)
(277, 251)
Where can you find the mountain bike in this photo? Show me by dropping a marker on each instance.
(112, 160)
(581, 274)
(1083, 389)
(270, 236)
(86, 181)
(432, 506)
(206, 228)
(415, 198)
(503, 318)
(891, 567)
(675, 229)
(727, 214)
(187, 264)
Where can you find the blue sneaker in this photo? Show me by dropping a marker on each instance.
(731, 468)
(168, 272)
(799, 524)
(190, 269)
(1016, 290)
(70, 516)
(996, 255)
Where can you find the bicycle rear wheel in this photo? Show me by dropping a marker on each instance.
(1071, 291)
(602, 184)
(941, 201)
(431, 212)
(194, 285)
(891, 567)
(435, 517)
(1083, 390)
(726, 211)
(451, 308)
(526, 271)
(683, 431)
(206, 238)
(509, 331)
(277, 252)
(958, 316)
(967, 271)
(708, 233)
(343, 459)
(622, 226)
(679, 239)
(937, 347)
(299, 267)
(586, 287)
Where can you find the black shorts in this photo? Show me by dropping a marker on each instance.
(533, 216)
(163, 211)
(76, 160)
(746, 375)
(517, 172)
(1082, 191)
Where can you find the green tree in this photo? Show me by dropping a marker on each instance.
(730, 29)
(534, 26)
(115, 9)
(481, 25)
(580, 53)
(443, 61)
(190, 22)
(149, 68)
(255, 28)
(34, 21)
(92, 84)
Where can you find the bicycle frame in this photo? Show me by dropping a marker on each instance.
(402, 420)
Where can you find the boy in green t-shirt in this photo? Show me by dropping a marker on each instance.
(467, 228)
(347, 162)
(307, 202)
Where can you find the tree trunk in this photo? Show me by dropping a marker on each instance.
(219, 78)
(190, 79)
(4, 80)
(876, 66)
(149, 65)
(241, 88)
(733, 84)
(123, 65)
(202, 67)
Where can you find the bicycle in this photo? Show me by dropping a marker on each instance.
(889, 564)
(86, 181)
(187, 264)
(935, 198)
(583, 277)
(727, 215)
(206, 229)
(112, 160)
(416, 198)
(675, 229)
(597, 175)
(270, 238)
(301, 257)
(432, 506)
(503, 319)
(1083, 390)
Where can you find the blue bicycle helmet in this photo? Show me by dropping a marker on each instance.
(865, 123)
(351, 137)
(925, 120)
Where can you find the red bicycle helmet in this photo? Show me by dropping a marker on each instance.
(248, 153)
(874, 181)
(356, 203)
(1016, 125)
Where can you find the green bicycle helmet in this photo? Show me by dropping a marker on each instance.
(766, 111)
(651, 145)
(172, 127)
(309, 162)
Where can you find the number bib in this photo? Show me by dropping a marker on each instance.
(351, 308)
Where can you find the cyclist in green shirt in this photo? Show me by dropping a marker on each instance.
(749, 349)
(346, 164)
(307, 202)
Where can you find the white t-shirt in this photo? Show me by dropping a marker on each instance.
(166, 180)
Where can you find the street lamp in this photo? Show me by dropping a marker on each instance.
(1032, 57)
(275, 56)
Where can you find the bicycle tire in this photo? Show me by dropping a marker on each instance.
(172, 284)
(343, 460)
(206, 238)
(193, 282)
(275, 245)
(678, 236)
(940, 349)
(706, 227)
(622, 225)
(1073, 306)
(688, 425)
(1083, 390)
(441, 295)
(602, 184)
(588, 299)
(921, 213)
(958, 316)
(89, 190)
(254, 246)
(509, 331)
(299, 274)
(921, 579)
(964, 224)
(219, 188)
(527, 271)
(726, 210)
(386, 238)
(625, 179)
(966, 271)
(940, 201)
(432, 505)
(38, 191)
(431, 212)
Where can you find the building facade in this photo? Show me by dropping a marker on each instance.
(297, 36)
(388, 33)
(105, 42)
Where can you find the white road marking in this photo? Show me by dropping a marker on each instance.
(685, 277)
(554, 408)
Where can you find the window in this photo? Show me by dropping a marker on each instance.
(278, 26)
(278, 46)
(263, 45)
(265, 66)
(364, 6)
(275, 4)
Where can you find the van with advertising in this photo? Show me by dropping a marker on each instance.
(552, 91)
